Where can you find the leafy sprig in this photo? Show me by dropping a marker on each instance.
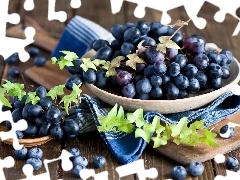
(10, 89)
(65, 60)
(117, 121)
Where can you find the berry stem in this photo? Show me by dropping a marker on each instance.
(179, 28)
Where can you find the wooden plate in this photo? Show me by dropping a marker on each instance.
(196, 100)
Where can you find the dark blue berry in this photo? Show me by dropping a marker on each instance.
(196, 168)
(36, 163)
(99, 161)
(232, 163)
(75, 152)
(80, 160)
(21, 153)
(76, 170)
(35, 152)
(179, 173)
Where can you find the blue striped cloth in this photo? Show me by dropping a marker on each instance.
(77, 37)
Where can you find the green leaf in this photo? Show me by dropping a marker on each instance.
(55, 91)
(3, 99)
(197, 124)
(161, 47)
(166, 41)
(159, 141)
(111, 72)
(98, 62)
(14, 89)
(116, 62)
(177, 128)
(87, 63)
(54, 60)
(133, 60)
(141, 133)
(136, 117)
(69, 56)
(127, 128)
(158, 127)
(64, 62)
(108, 122)
(32, 97)
(209, 138)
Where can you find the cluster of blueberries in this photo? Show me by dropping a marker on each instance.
(34, 155)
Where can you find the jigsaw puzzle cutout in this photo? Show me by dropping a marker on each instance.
(10, 45)
(52, 14)
(19, 125)
(192, 9)
(7, 162)
(66, 166)
(230, 175)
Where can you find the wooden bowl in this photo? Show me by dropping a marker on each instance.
(195, 101)
(27, 142)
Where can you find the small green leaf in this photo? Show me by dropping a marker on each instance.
(99, 62)
(177, 128)
(55, 91)
(3, 99)
(87, 63)
(63, 62)
(54, 60)
(32, 97)
(159, 141)
(161, 47)
(133, 60)
(69, 56)
(111, 72)
(141, 133)
(168, 42)
(116, 62)
(209, 138)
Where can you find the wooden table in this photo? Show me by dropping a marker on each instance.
(91, 144)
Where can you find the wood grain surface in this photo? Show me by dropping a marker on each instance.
(91, 144)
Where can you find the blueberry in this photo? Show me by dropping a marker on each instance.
(99, 161)
(226, 131)
(13, 72)
(21, 153)
(75, 152)
(36, 163)
(40, 61)
(33, 51)
(70, 126)
(41, 92)
(80, 160)
(232, 163)
(76, 170)
(196, 168)
(20, 134)
(12, 59)
(56, 131)
(179, 173)
(35, 152)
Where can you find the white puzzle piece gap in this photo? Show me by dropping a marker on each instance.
(75, 4)
(19, 125)
(28, 5)
(66, 166)
(9, 45)
(7, 162)
(230, 175)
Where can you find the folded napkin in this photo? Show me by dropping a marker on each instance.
(77, 37)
